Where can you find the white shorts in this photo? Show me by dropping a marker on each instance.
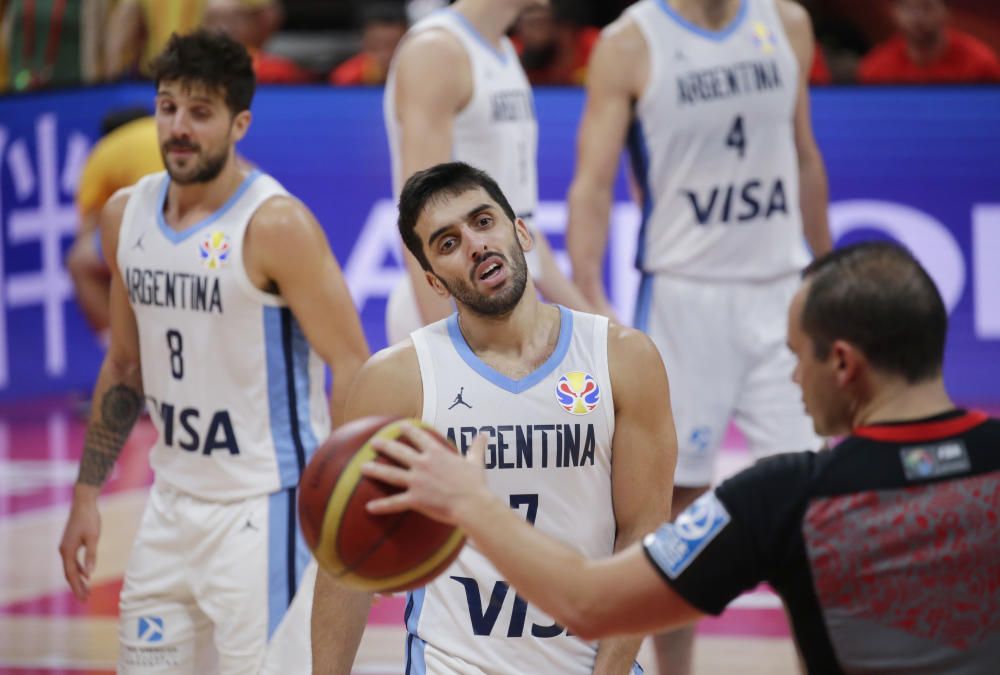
(208, 582)
(724, 348)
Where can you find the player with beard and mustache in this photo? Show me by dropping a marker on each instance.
(223, 289)
(575, 405)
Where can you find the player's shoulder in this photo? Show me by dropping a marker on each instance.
(433, 67)
(622, 37)
(630, 343)
(394, 358)
(636, 368)
(620, 58)
(794, 16)
(282, 216)
(280, 207)
(431, 46)
(390, 381)
(114, 209)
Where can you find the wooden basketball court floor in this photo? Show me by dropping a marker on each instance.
(44, 630)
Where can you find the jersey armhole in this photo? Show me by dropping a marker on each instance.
(655, 68)
(770, 8)
(134, 193)
(428, 412)
(239, 268)
(601, 349)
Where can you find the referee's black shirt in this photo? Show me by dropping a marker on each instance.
(885, 549)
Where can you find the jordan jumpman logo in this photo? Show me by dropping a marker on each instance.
(460, 400)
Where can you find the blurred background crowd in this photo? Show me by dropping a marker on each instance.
(59, 43)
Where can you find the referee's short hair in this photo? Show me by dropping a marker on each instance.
(877, 297)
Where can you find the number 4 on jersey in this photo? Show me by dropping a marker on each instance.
(736, 138)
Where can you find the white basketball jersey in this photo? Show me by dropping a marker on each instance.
(232, 386)
(550, 459)
(497, 130)
(713, 146)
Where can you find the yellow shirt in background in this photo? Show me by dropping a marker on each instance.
(162, 18)
(118, 160)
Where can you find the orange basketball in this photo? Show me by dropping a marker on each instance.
(363, 551)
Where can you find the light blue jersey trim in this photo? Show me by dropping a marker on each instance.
(277, 399)
(501, 380)
(278, 597)
(718, 35)
(467, 25)
(177, 236)
(643, 303)
(303, 385)
(415, 664)
(303, 400)
(638, 151)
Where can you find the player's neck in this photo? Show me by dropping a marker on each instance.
(208, 196)
(708, 14)
(490, 18)
(525, 332)
(897, 400)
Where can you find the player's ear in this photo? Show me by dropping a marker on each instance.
(241, 124)
(436, 285)
(524, 236)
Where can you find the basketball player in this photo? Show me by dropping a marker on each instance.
(457, 91)
(127, 151)
(222, 292)
(884, 549)
(579, 444)
(730, 179)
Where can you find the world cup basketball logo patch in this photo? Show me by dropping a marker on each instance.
(214, 250)
(577, 392)
(763, 38)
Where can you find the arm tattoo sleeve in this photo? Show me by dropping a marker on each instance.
(106, 435)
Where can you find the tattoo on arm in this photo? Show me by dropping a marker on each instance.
(106, 436)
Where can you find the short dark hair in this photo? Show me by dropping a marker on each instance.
(442, 180)
(876, 296)
(212, 60)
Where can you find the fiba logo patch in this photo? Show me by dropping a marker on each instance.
(577, 392)
(214, 250)
(150, 629)
(919, 462)
(676, 544)
(763, 38)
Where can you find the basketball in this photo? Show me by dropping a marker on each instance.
(377, 553)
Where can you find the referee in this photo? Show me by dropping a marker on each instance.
(885, 549)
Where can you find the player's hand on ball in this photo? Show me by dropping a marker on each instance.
(434, 479)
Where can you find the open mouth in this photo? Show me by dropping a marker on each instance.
(489, 269)
(490, 272)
